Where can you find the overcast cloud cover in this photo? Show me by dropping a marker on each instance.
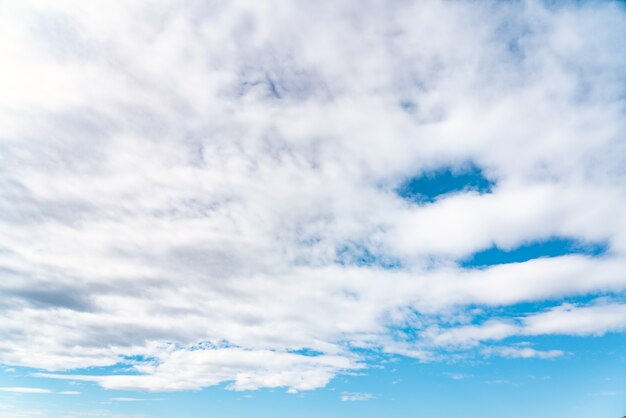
(207, 192)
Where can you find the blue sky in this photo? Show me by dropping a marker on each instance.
(342, 209)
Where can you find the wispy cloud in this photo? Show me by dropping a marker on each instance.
(24, 390)
(36, 391)
(347, 396)
(457, 376)
(595, 318)
(522, 352)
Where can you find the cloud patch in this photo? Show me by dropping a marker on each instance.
(39, 391)
(353, 397)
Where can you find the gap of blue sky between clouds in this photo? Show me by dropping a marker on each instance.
(436, 184)
(432, 185)
(551, 247)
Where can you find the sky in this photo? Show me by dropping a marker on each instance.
(303, 209)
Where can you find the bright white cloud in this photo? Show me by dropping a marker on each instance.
(177, 182)
(192, 369)
(24, 390)
(37, 391)
(575, 320)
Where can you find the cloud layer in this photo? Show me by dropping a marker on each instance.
(208, 191)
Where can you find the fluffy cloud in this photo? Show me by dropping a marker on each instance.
(207, 191)
(192, 369)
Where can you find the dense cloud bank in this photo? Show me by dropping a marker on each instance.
(209, 191)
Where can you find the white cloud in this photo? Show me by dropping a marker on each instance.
(347, 396)
(457, 376)
(176, 176)
(196, 368)
(24, 390)
(596, 318)
(471, 335)
(578, 320)
(37, 391)
(522, 352)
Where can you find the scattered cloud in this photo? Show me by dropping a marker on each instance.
(521, 352)
(596, 318)
(37, 391)
(24, 390)
(348, 396)
(212, 366)
(457, 376)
